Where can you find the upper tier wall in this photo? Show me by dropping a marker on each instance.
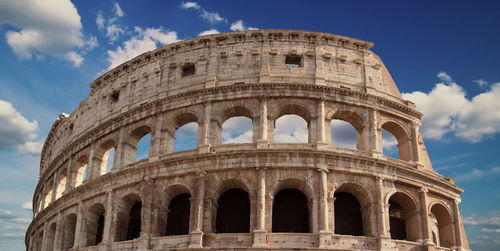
(223, 60)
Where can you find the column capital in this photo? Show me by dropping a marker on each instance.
(323, 169)
(457, 201)
(202, 173)
(423, 190)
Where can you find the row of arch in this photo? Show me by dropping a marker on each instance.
(186, 133)
(291, 212)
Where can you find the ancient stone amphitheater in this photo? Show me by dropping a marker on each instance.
(248, 196)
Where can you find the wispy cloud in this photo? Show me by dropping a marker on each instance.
(475, 174)
(209, 32)
(209, 16)
(240, 26)
(481, 82)
(15, 129)
(237, 130)
(111, 25)
(447, 110)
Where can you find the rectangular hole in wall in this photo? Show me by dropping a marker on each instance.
(293, 61)
(188, 70)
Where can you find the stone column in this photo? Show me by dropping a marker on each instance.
(59, 232)
(325, 235)
(204, 145)
(321, 138)
(78, 227)
(91, 169)
(108, 218)
(260, 234)
(427, 241)
(313, 212)
(196, 236)
(54, 187)
(154, 149)
(70, 182)
(381, 208)
(456, 220)
(263, 142)
(375, 135)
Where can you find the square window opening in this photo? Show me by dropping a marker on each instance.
(293, 61)
(115, 96)
(188, 70)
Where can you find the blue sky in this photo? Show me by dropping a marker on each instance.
(443, 55)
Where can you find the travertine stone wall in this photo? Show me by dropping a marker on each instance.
(241, 74)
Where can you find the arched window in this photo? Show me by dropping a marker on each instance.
(403, 217)
(68, 236)
(291, 129)
(233, 212)
(343, 134)
(290, 212)
(128, 223)
(95, 225)
(402, 139)
(390, 145)
(80, 170)
(106, 156)
(443, 224)
(48, 194)
(186, 137)
(237, 130)
(178, 215)
(51, 233)
(134, 221)
(61, 183)
(143, 147)
(138, 143)
(348, 218)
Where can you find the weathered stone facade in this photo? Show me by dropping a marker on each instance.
(263, 75)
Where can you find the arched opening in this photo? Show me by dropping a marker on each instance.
(237, 130)
(39, 242)
(186, 137)
(94, 225)
(138, 144)
(403, 142)
(403, 217)
(290, 212)
(51, 233)
(291, 129)
(389, 145)
(178, 215)
(128, 225)
(48, 194)
(343, 134)
(68, 236)
(80, 170)
(348, 215)
(61, 183)
(134, 221)
(143, 147)
(233, 212)
(106, 156)
(442, 225)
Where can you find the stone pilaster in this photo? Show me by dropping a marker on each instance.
(427, 241)
(260, 234)
(375, 135)
(457, 220)
(204, 145)
(321, 138)
(196, 236)
(325, 235)
(263, 142)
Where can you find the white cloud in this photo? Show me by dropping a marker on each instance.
(444, 77)
(237, 130)
(208, 32)
(475, 174)
(113, 32)
(27, 205)
(91, 43)
(343, 134)
(144, 40)
(15, 130)
(290, 129)
(75, 58)
(237, 26)
(187, 5)
(46, 27)
(99, 20)
(31, 147)
(481, 82)
(447, 109)
(212, 17)
(118, 10)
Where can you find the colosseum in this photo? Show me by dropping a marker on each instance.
(261, 195)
